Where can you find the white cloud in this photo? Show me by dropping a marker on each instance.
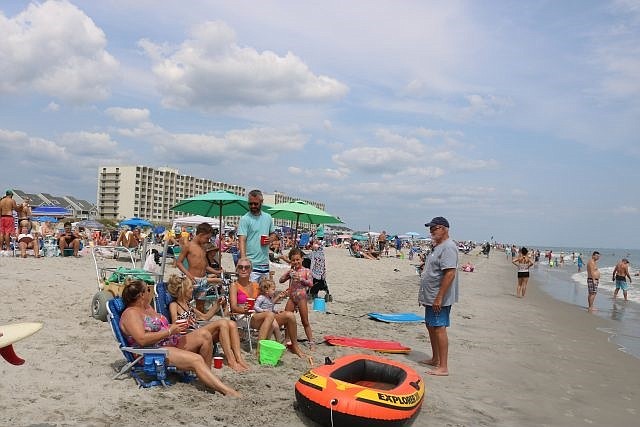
(61, 163)
(373, 160)
(52, 107)
(30, 148)
(55, 49)
(130, 115)
(257, 144)
(315, 174)
(210, 71)
(409, 155)
(626, 210)
(88, 143)
(484, 105)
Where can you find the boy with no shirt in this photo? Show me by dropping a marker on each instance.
(196, 256)
(7, 228)
(593, 278)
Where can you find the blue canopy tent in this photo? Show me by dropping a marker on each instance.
(54, 211)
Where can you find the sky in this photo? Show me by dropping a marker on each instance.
(514, 120)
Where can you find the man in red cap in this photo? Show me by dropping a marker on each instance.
(438, 292)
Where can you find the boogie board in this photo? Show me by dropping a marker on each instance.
(12, 334)
(396, 317)
(381, 346)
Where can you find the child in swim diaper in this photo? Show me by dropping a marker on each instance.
(267, 300)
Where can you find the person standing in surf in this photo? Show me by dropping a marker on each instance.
(593, 278)
(620, 274)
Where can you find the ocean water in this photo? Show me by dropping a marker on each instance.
(568, 285)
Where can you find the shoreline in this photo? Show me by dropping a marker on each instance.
(532, 361)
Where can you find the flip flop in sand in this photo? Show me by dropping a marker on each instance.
(437, 374)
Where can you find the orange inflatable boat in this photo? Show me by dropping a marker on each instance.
(361, 390)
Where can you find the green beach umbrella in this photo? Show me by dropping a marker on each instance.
(359, 237)
(215, 203)
(300, 211)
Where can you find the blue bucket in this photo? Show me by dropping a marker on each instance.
(319, 304)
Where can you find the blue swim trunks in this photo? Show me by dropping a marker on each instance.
(622, 284)
(431, 318)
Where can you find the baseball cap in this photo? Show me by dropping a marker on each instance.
(439, 220)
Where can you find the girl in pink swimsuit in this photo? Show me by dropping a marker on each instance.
(300, 279)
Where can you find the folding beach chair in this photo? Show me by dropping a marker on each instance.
(146, 365)
(15, 247)
(163, 299)
(304, 240)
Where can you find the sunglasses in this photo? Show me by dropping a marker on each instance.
(433, 229)
(255, 203)
(244, 267)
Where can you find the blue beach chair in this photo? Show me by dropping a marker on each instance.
(304, 240)
(148, 366)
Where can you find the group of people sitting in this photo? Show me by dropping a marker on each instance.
(190, 343)
(240, 302)
(30, 239)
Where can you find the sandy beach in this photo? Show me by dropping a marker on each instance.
(532, 361)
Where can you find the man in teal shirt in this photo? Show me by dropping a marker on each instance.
(256, 232)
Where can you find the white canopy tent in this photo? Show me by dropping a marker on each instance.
(194, 220)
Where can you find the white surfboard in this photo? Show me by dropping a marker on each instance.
(18, 331)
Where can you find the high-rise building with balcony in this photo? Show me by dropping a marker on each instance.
(149, 193)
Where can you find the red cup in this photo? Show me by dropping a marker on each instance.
(251, 302)
(217, 362)
(264, 240)
(181, 322)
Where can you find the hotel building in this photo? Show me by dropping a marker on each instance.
(149, 193)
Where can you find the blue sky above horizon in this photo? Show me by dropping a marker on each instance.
(517, 120)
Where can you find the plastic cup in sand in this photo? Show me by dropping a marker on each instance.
(217, 362)
(181, 322)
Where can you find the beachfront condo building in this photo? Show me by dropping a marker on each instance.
(149, 193)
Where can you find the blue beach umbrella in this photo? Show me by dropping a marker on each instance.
(135, 222)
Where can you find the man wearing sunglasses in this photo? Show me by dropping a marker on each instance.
(438, 292)
(255, 233)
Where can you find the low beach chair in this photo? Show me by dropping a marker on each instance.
(146, 365)
(162, 300)
(15, 246)
(304, 240)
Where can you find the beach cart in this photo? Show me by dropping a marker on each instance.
(111, 274)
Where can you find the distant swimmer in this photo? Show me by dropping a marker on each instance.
(620, 274)
(593, 277)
